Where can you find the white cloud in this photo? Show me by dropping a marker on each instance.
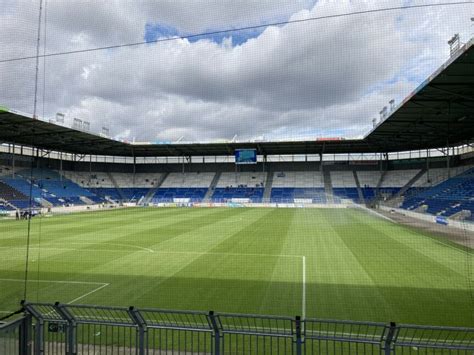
(314, 78)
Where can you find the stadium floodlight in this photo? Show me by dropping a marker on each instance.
(77, 123)
(59, 117)
(383, 113)
(105, 131)
(454, 44)
(392, 104)
(374, 122)
(86, 126)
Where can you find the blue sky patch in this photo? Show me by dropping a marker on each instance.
(155, 31)
(238, 37)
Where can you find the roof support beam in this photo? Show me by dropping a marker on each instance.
(457, 94)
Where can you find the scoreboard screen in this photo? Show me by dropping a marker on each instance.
(245, 156)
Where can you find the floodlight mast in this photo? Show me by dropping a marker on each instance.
(60, 117)
(454, 44)
(105, 131)
(392, 105)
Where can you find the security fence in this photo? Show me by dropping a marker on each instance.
(15, 335)
(93, 330)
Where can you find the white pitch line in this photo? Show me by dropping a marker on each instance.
(57, 282)
(303, 297)
(45, 247)
(86, 250)
(89, 293)
(102, 285)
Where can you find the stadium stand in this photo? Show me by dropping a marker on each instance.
(369, 180)
(240, 187)
(188, 180)
(183, 187)
(48, 188)
(447, 198)
(5, 206)
(435, 176)
(344, 186)
(299, 187)
(394, 180)
(11, 198)
(18, 189)
(115, 186)
(428, 191)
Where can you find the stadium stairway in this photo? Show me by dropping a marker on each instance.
(359, 190)
(410, 183)
(378, 189)
(382, 178)
(461, 215)
(86, 200)
(45, 203)
(114, 182)
(212, 187)
(267, 193)
(328, 186)
(4, 203)
(150, 194)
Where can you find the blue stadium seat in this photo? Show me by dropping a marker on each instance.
(48, 185)
(168, 194)
(445, 199)
(289, 194)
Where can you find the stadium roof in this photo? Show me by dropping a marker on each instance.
(439, 112)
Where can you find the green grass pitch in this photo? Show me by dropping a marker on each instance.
(324, 263)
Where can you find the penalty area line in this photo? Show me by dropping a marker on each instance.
(100, 287)
(89, 293)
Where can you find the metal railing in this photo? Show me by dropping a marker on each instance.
(15, 336)
(78, 329)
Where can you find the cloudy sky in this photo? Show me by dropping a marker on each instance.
(322, 78)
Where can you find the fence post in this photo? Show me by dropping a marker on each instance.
(217, 334)
(25, 335)
(389, 339)
(140, 322)
(298, 334)
(39, 340)
(39, 336)
(71, 328)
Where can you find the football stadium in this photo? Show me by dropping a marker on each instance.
(304, 241)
